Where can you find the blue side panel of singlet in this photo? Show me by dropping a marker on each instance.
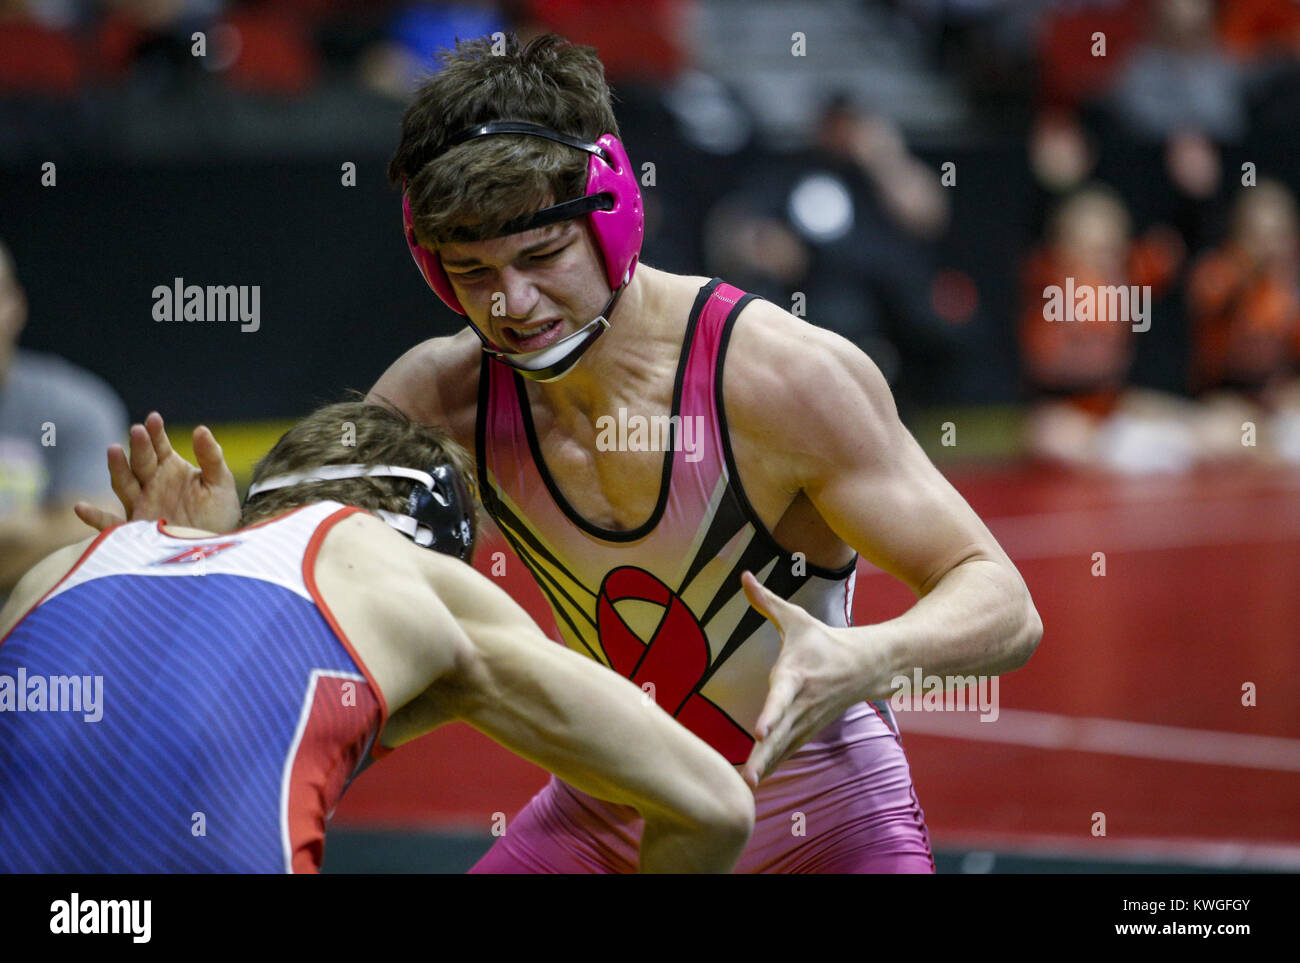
(204, 679)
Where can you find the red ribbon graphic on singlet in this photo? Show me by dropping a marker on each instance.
(197, 554)
(674, 660)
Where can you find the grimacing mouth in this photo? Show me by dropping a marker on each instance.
(519, 333)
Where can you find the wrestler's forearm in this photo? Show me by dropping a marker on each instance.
(977, 620)
(677, 848)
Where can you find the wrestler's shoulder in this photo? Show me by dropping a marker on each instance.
(436, 381)
(368, 550)
(774, 355)
(451, 355)
(375, 569)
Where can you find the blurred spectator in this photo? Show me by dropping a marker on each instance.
(1180, 89)
(257, 48)
(1151, 114)
(150, 42)
(415, 32)
(1061, 154)
(1088, 241)
(1077, 364)
(907, 190)
(56, 421)
(1245, 304)
(1180, 79)
(1069, 70)
(843, 231)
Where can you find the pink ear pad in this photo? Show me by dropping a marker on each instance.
(428, 262)
(619, 231)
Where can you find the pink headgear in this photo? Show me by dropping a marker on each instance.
(612, 203)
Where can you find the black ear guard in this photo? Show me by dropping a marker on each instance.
(439, 511)
(443, 513)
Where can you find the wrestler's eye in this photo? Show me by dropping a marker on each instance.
(548, 256)
(471, 275)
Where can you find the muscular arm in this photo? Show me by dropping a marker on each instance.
(583, 722)
(843, 446)
(877, 489)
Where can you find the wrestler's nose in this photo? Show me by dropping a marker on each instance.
(521, 294)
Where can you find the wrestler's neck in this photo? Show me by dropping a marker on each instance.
(643, 332)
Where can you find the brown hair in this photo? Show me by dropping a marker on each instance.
(354, 432)
(480, 185)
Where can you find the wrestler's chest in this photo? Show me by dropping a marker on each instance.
(614, 472)
(613, 486)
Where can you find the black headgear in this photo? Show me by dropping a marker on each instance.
(439, 511)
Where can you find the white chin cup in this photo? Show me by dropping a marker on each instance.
(555, 360)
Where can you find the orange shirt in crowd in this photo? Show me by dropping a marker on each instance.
(1087, 361)
(1245, 321)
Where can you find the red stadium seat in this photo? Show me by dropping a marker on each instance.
(37, 60)
(275, 54)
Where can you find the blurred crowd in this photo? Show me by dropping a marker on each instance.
(1140, 122)
(60, 47)
(285, 47)
(1150, 177)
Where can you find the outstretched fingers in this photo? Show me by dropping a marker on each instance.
(125, 485)
(144, 460)
(162, 445)
(96, 518)
(212, 462)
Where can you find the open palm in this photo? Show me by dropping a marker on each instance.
(156, 482)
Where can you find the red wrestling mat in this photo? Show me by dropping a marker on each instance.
(1131, 707)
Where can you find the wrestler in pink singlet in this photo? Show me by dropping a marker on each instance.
(663, 605)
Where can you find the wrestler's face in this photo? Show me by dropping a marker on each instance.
(526, 291)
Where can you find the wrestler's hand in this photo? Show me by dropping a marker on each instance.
(819, 674)
(159, 483)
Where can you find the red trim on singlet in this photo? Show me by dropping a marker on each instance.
(898, 736)
(309, 578)
(64, 577)
(319, 772)
(247, 528)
